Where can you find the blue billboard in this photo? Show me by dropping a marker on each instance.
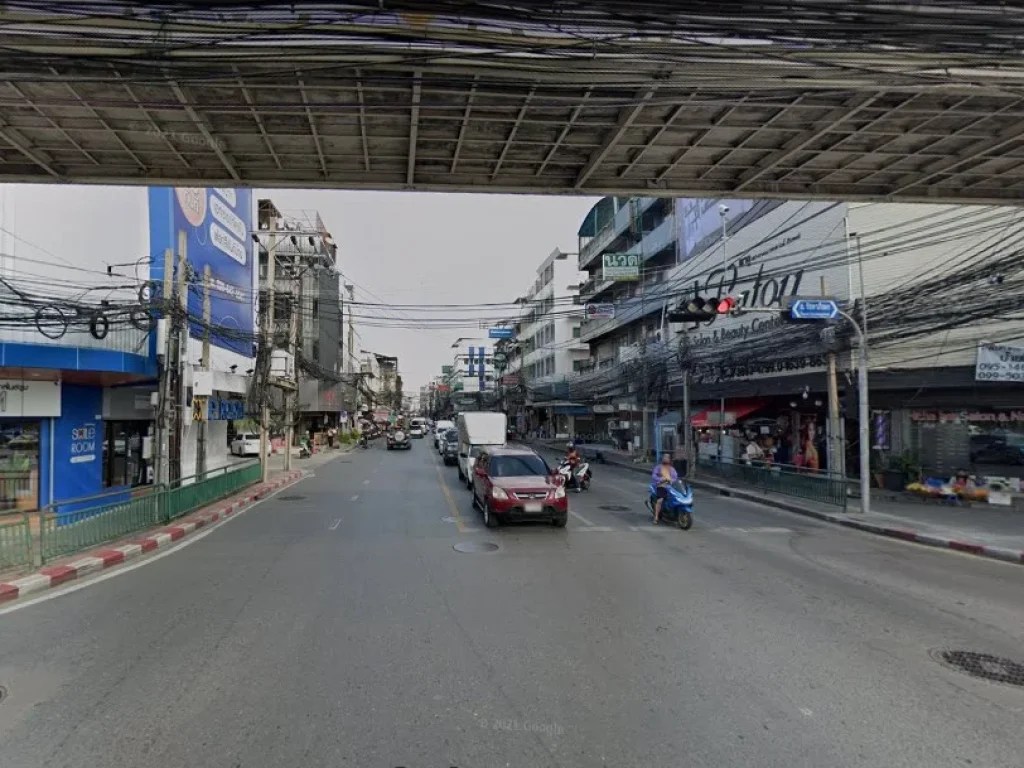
(218, 228)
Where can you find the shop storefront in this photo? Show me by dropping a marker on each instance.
(989, 443)
(27, 408)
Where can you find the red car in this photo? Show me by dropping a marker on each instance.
(515, 484)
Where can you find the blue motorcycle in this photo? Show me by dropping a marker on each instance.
(678, 504)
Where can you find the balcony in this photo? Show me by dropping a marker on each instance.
(611, 231)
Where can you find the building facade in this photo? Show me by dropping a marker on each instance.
(932, 284)
(546, 350)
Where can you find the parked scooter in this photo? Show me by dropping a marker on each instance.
(678, 504)
(305, 451)
(363, 441)
(580, 479)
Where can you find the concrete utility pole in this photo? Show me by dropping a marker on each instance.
(161, 454)
(293, 346)
(180, 355)
(351, 366)
(268, 341)
(207, 320)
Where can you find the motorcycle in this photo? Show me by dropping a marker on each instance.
(363, 442)
(678, 504)
(580, 479)
(304, 450)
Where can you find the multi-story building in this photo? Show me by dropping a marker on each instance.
(80, 351)
(934, 284)
(547, 350)
(306, 278)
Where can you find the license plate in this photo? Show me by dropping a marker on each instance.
(533, 506)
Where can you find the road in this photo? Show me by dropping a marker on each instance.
(335, 625)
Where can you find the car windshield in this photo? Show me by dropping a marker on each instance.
(517, 466)
(452, 436)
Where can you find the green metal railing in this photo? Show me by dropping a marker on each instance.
(15, 541)
(70, 526)
(824, 487)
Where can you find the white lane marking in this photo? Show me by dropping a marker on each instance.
(805, 712)
(581, 518)
(595, 528)
(356, 497)
(761, 529)
(335, 524)
(366, 482)
(76, 585)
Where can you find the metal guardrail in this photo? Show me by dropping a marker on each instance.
(824, 487)
(70, 526)
(15, 541)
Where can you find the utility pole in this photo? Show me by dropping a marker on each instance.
(161, 453)
(687, 425)
(293, 346)
(207, 319)
(351, 328)
(180, 354)
(268, 341)
(722, 211)
(836, 457)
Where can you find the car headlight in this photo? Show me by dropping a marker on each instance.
(499, 494)
(559, 492)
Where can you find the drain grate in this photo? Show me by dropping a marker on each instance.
(475, 546)
(292, 497)
(614, 507)
(982, 665)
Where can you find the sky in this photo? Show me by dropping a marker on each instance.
(437, 248)
(395, 247)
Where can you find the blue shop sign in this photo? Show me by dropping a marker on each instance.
(224, 410)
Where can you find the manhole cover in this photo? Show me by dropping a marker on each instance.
(614, 507)
(292, 497)
(983, 665)
(475, 546)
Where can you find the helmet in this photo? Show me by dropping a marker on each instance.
(570, 444)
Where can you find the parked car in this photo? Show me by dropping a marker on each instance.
(450, 447)
(248, 444)
(516, 484)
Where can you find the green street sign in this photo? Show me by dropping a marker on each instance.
(620, 266)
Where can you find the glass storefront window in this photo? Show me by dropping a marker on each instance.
(123, 464)
(19, 465)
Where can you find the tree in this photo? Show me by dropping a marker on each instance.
(397, 401)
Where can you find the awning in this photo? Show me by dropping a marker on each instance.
(735, 410)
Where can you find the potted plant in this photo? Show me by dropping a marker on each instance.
(902, 469)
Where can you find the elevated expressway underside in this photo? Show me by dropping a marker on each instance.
(347, 96)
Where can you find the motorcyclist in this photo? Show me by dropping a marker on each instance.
(572, 458)
(663, 475)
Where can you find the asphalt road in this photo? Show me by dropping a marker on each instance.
(342, 629)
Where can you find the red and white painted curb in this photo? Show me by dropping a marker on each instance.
(53, 576)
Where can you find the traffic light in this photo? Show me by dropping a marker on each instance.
(698, 309)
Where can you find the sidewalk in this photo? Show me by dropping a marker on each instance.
(16, 583)
(994, 532)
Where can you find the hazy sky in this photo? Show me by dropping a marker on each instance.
(418, 248)
(404, 247)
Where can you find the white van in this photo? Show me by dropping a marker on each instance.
(439, 429)
(478, 430)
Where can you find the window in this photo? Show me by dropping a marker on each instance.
(19, 465)
(316, 309)
(316, 351)
(123, 464)
(517, 466)
(576, 332)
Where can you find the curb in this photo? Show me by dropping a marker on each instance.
(903, 534)
(53, 576)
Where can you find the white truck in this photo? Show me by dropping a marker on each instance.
(478, 430)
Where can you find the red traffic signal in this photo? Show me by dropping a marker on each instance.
(698, 310)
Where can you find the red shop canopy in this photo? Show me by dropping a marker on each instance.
(734, 411)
